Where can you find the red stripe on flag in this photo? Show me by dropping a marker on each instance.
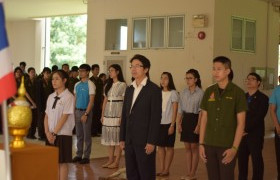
(7, 86)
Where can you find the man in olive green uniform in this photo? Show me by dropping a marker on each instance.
(222, 123)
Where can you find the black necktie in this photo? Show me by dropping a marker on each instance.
(54, 103)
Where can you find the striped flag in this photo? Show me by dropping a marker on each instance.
(7, 80)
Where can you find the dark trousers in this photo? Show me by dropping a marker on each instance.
(33, 126)
(251, 146)
(96, 127)
(41, 127)
(277, 150)
(139, 165)
(216, 170)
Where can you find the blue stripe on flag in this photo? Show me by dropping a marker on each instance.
(3, 34)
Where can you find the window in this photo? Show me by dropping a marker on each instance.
(157, 33)
(116, 34)
(139, 33)
(243, 34)
(176, 32)
(164, 32)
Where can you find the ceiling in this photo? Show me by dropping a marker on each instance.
(28, 9)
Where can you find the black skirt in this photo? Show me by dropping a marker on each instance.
(189, 123)
(166, 140)
(64, 144)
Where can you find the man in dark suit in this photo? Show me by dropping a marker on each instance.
(141, 116)
(253, 137)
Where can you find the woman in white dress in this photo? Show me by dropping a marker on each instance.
(111, 114)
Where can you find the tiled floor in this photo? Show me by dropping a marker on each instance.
(93, 171)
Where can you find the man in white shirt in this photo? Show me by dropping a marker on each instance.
(140, 122)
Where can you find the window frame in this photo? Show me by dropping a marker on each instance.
(147, 34)
(164, 32)
(183, 36)
(243, 38)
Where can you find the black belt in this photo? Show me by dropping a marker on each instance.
(81, 109)
(115, 100)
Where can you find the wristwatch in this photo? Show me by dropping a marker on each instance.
(86, 114)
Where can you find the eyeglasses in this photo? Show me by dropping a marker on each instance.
(137, 66)
(111, 71)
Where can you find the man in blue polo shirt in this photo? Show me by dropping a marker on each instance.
(274, 102)
(84, 91)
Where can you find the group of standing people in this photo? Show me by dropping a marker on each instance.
(219, 125)
(214, 125)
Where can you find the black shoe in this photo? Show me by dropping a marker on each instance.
(31, 137)
(76, 159)
(42, 139)
(84, 161)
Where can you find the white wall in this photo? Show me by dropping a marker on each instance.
(25, 42)
(267, 36)
(196, 54)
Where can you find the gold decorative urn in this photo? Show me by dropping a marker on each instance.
(19, 118)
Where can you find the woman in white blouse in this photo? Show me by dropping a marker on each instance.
(166, 141)
(189, 119)
(59, 121)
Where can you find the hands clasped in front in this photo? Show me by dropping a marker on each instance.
(50, 137)
(228, 155)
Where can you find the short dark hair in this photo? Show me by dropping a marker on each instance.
(94, 66)
(18, 68)
(30, 69)
(75, 68)
(171, 85)
(54, 68)
(257, 76)
(145, 61)
(65, 65)
(85, 66)
(22, 63)
(227, 63)
(101, 75)
(46, 69)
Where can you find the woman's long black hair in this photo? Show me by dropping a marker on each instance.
(110, 80)
(171, 85)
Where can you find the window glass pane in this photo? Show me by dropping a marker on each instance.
(175, 31)
(250, 34)
(157, 32)
(236, 33)
(139, 33)
(116, 34)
